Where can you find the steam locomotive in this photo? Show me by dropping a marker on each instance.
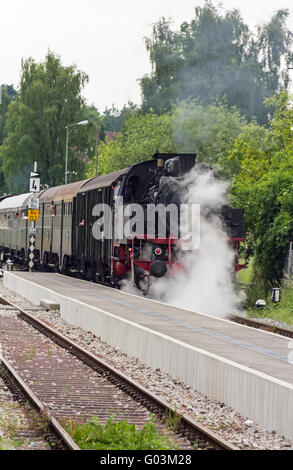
(65, 238)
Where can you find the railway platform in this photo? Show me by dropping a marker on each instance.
(245, 368)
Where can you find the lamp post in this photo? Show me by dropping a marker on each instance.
(81, 123)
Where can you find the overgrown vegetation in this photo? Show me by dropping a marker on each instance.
(10, 426)
(118, 435)
(263, 186)
(282, 311)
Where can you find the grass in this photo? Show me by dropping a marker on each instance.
(245, 275)
(14, 419)
(9, 444)
(30, 353)
(10, 425)
(119, 435)
(283, 311)
(256, 290)
(172, 419)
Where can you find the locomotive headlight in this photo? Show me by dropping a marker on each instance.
(158, 251)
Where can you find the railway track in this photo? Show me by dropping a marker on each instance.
(70, 382)
(53, 432)
(261, 325)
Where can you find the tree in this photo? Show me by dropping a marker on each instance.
(274, 45)
(49, 99)
(263, 186)
(159, 89)
(113, 119)
(209, 131)
(8, 94)
(140, 137)
(215, 55)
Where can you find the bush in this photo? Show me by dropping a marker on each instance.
(117, 435)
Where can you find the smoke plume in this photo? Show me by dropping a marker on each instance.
(206, 283)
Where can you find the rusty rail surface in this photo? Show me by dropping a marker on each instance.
(261, 325)
(54, 434)
(186, 426)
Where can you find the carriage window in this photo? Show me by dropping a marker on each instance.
(131, 188)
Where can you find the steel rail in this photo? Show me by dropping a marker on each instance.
(261, 325)
(45, 413)
(186, 425)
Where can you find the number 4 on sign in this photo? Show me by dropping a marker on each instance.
(34, 185)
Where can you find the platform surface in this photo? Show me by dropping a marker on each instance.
(256, 349)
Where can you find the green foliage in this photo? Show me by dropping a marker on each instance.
(264, 187)
(244, 276)
(117, 436)
(259, 288)
(250, 152)
(216, 55)
(8, 94)
(49, 99)
(113, 120)
(139, 139)
(209, 131)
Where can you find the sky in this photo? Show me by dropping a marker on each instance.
(105, 38)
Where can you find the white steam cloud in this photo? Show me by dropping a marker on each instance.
(206, 284)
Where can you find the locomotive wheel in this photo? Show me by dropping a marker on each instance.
(101, 273)
(65, 264)
(90, 275)
(45, 261)
(140, 278)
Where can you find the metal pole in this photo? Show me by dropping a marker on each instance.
(32, 237)
(66, 156)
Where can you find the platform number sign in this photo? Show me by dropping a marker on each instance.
(34, 183)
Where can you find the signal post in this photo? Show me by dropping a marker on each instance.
(33, 213)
